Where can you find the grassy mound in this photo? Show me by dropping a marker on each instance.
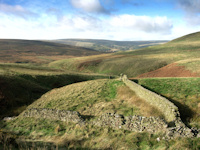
(20, 85)
(183, 92)
(93, 98)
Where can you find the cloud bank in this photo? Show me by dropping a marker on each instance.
(91, 19)
(91, 6)
(142, 23)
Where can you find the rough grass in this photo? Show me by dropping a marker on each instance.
(72, 136)
(140, 106)
(93, 98)
(183, 92)
(191, 64)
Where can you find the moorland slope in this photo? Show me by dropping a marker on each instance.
(183, 51)
(26, 51)
(22, 84)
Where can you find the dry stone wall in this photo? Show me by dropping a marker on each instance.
(132, 123)
(115, 121)
(169, 110)
(139, 124)
(53, 114)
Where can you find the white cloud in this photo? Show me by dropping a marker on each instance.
(16, 10)
(142, 23)
(121, 27)
(89, 6)
(81, 23)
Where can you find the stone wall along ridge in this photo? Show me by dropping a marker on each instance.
(169, 110)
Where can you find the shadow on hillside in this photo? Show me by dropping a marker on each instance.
(17, 92)
(185, 112)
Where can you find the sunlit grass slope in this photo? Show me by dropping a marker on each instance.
(183, 92)
(184, 51)
(93, 98)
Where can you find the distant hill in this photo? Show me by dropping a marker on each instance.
(23, 51)
(184, 51)
(108, 45)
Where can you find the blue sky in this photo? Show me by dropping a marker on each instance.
(99, 19)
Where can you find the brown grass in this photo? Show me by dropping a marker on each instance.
(146, 109)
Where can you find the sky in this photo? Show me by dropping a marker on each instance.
(125, 20)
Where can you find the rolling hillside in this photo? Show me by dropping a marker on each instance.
(108, 45)
(183, 52)
(28, 51)
(22, 84)
(59, 89)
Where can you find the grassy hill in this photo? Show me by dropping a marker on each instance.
(58, 86)
(21, 84)
(108, 45)
(25, 51)
(190, 38)
(133, 63)
(91, 99)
